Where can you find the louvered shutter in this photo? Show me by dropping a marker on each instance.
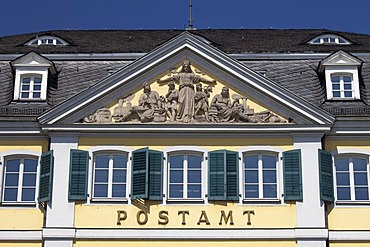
(155, 175)
(78, 175)
(140, 174)
(232, 181)
(292, 175)
(326, 176)
(216, 175)
(46, 176)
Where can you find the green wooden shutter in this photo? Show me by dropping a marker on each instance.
(140, 174)
(292, 175)
(326, 176)
(46, 176)
(155, 175)
(217, 175)
(232, 175)
(78, 175)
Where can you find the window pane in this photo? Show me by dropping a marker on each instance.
(28, 194)
(13, 165)
(269, 191)
(30, 165)
(342, 164)
(251, 161)
(347, 86)
(269, 176)
(359, 164)
(10, 194)
(194, 176)
(37, 88)
(25, 95)
(176, 191)
(11, 179)
(176, 161)
(176, 176)
(335, 79)
(348, 94)
(119, 190)
(36, 95)
(194, 161)
(101, 176)
(343, 178)
(336, 86)
(29, 179)
(119, 176)
(102, 161)
(268, 161)
(26, 80)
(343, 193)
(361, 193)
(100, 190)
(194, 191)
(25, 88)
(251, 176)
(347, 79)
(336, 94)
(119, 161)
(37, 80)
(360, 178)
(251, 191)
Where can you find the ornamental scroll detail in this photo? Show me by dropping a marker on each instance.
(183, 105)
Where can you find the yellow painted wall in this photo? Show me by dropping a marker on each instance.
(106, 216)
(39, 145)
(349, 218)
(160, 143)
(359, 144)
(20, 219)
(185, 243)
(20, 244)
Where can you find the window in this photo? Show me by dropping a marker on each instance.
(185, 176)
(30, 87)
(330, 39)
(260, 176)
(342, 86)
(110, 175)
(46, 40)
(20, 180)
(352, 178)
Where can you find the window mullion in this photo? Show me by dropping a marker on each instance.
(260, 177)
(185, 174)
(20, 180)
(110, 176)
(352, 180)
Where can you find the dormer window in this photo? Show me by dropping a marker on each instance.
(329, 39)
(32, 73)
(341, 76)
(46, 40)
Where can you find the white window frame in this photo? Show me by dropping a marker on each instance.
(343, 71)
(350, 156)
(29, 71)
(334, 37)
(18, 154)
(39, 41)
(97, 150)
(31, 90)
(181, 150)
(262, 150)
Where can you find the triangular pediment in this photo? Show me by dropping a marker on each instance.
(341, 58)
(32, 59)
(256, 96)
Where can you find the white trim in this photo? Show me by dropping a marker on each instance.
(21, 71)
(349, 235)
(14, 235)
(58, 233)
(342, 70)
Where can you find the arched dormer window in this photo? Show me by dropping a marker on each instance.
(46, 40)
(329, 39)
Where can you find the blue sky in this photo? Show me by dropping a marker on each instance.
(24, 16)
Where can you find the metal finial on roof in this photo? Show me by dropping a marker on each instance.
(191, 27)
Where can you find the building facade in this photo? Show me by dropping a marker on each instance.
(202, 138)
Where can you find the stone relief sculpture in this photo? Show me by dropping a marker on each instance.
(184, 105)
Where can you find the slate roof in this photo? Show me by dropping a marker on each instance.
(227, 40)
(298, 76)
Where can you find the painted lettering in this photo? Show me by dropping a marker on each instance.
(203, 218)
(183, 216)
(138, 217)
(121, 216)
(248, 213)
(226, 218)
(163, 217)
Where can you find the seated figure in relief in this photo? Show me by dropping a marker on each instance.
(172, 97)
(149, 102)
(201, 102)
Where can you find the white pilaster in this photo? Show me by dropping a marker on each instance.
(311, 211)
(60, 212)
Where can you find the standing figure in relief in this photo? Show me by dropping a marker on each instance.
(201, 102)
(148, 102)
(172, 97)
(186, 78)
